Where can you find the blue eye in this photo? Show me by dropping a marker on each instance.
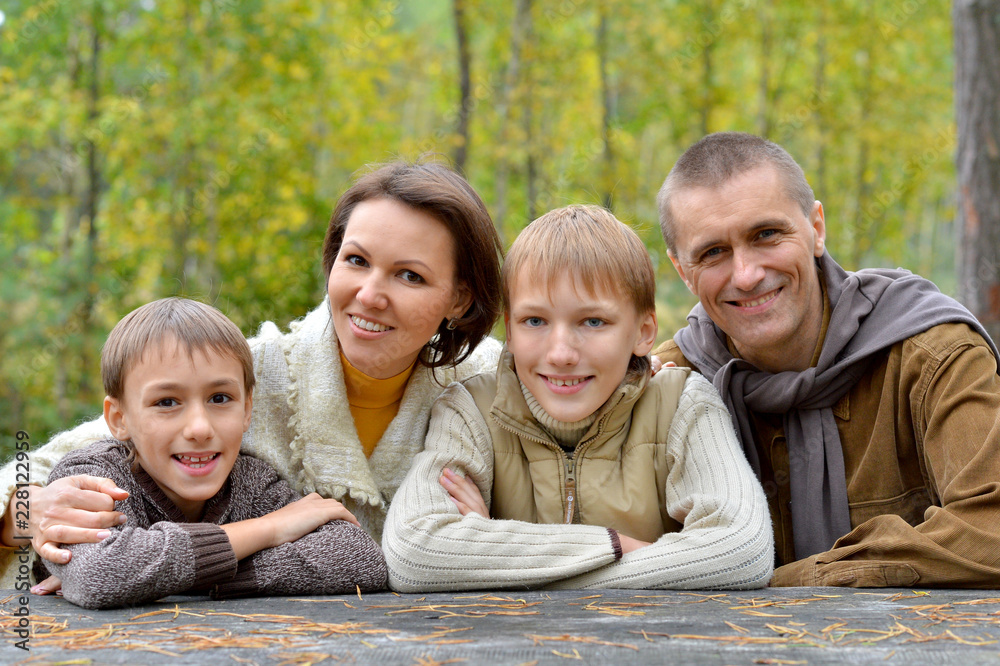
(533, 322)
(767, 233)
(593, 322)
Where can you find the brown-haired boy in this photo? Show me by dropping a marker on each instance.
(200, 516)
(594, 474)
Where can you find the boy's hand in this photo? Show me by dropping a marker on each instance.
(74, 509)
(629, 544)
(464, 493)
(50, 585)
(288, 523)
(301, 517)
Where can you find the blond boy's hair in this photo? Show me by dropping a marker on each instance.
(594, 246)
(193, 325)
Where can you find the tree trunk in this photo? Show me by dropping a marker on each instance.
(464, 85)
(606, 104)
(93, 197)
(977, 99)
(764, 83)
(518, 32)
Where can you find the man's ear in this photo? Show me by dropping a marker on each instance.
(680, 270)
(114, 416)
(818, 223)
(647, 335)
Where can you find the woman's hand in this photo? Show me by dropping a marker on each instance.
(655, 365)
(464, 493)
(74, 509)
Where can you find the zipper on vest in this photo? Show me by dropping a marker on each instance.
(570, 496)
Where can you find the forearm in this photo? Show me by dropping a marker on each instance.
(138, 565)
(429, 545)
(337, 558)
(887, 552)
(726, 540)
(249, 536)
(740, 558)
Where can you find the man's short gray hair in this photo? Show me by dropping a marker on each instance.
(719, 157)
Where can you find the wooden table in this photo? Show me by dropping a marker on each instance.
(774, 626)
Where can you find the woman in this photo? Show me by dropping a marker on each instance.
(342, 402)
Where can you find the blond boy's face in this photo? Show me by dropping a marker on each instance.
(571, 347)
(186, 416)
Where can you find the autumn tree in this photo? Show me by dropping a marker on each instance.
(977, 104)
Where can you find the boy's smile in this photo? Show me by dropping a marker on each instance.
(186, 415)
(571, 347)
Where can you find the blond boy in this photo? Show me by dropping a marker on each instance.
(570, 467)
(198, 515)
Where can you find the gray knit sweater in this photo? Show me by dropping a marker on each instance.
(158, 552)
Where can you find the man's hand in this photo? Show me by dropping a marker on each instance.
(464, 493)
(74, 509)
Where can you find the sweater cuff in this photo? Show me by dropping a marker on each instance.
(616, 544)
(214, 559)
(243, 584)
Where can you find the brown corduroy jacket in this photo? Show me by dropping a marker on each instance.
(921, 440)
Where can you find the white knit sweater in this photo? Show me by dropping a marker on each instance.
(726, 541)
(302, 424)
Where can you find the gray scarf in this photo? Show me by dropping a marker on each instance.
(871, 310)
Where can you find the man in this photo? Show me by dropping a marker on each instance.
(868, 403)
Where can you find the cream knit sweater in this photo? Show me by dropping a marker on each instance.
(301, 424)
(726, 541)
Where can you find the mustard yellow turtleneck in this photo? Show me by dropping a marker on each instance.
(374, 402)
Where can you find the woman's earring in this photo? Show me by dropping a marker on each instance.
(452, 324)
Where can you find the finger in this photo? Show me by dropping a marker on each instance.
(343, 514)
(67, 534)
(98, 484)
(79, 518)
(47, 586)
(52, 553)
(69, 496)
(655, 364)
(455, 488)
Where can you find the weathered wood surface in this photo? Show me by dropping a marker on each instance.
(776, 626)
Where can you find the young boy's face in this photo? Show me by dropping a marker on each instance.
(571, 347)
(186, 416)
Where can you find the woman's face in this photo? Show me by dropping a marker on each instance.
(391, 285)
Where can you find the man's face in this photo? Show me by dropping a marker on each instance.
(746, 250)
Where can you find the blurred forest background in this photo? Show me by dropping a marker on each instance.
(154, 148)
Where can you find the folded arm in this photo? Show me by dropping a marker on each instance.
(726, 541)
(429, 545)
(954, 398)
